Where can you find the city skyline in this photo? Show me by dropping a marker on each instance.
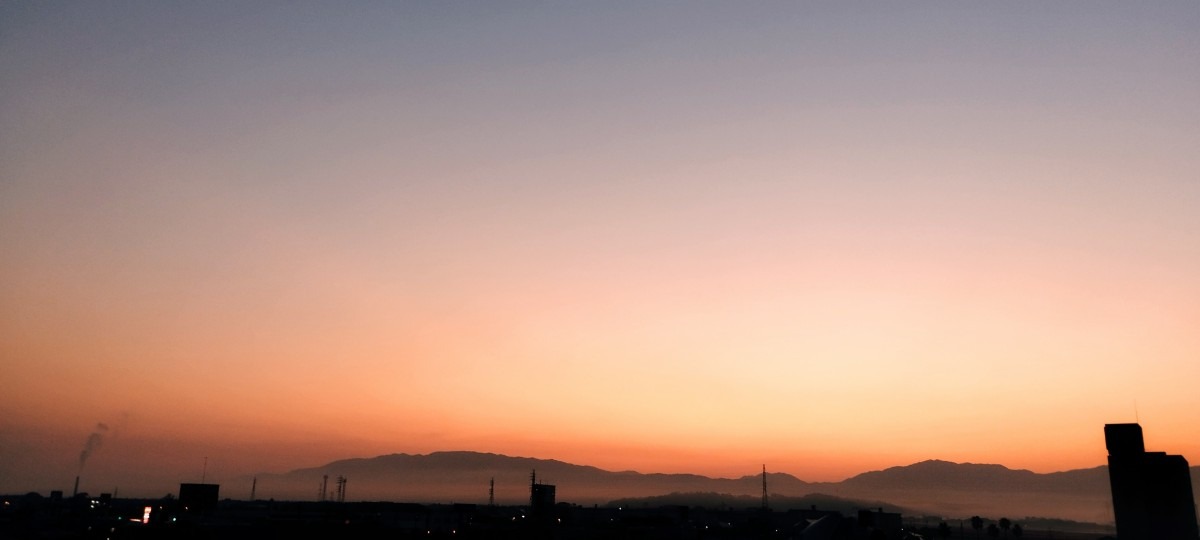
(667, 238)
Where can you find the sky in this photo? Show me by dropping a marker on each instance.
(654, 236)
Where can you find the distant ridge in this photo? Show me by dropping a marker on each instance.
(942, 474)
(947, 475)
(932, 487)
(461, 476)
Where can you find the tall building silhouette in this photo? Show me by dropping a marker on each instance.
(1151, 491)
(541, 498)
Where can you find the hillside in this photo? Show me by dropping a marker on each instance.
(929, 487)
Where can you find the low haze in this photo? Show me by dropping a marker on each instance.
(664, 237)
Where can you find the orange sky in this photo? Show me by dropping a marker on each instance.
(637, 237)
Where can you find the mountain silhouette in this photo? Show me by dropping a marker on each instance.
(947, 475)
(964, 489)
(465, 477)
(941, 474)
(934, 487)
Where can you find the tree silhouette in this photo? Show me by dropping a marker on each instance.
(977, 524)
(1004, 525)
(993, 531)
(943, 530)
(1017, 530)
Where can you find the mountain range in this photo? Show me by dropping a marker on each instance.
(934, 487)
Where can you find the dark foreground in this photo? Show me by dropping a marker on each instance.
(34, 517)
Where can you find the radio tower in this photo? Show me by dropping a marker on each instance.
(341, 489)
(764, 502)
(492, 492)
(324, 485)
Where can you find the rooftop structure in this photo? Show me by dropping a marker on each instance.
(1151, 491)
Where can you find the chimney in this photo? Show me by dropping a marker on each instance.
(76, 492)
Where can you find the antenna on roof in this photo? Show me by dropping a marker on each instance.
(532, 488)
(1136, 419)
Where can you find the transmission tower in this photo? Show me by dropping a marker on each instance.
(764, 496)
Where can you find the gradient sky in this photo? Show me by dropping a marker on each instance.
(659, 236)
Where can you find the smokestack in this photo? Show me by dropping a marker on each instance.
(76, 491)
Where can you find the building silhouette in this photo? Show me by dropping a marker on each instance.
(1151, 491)
(541, 497)
(201, 497)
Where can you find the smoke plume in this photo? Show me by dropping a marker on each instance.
(92, 443)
